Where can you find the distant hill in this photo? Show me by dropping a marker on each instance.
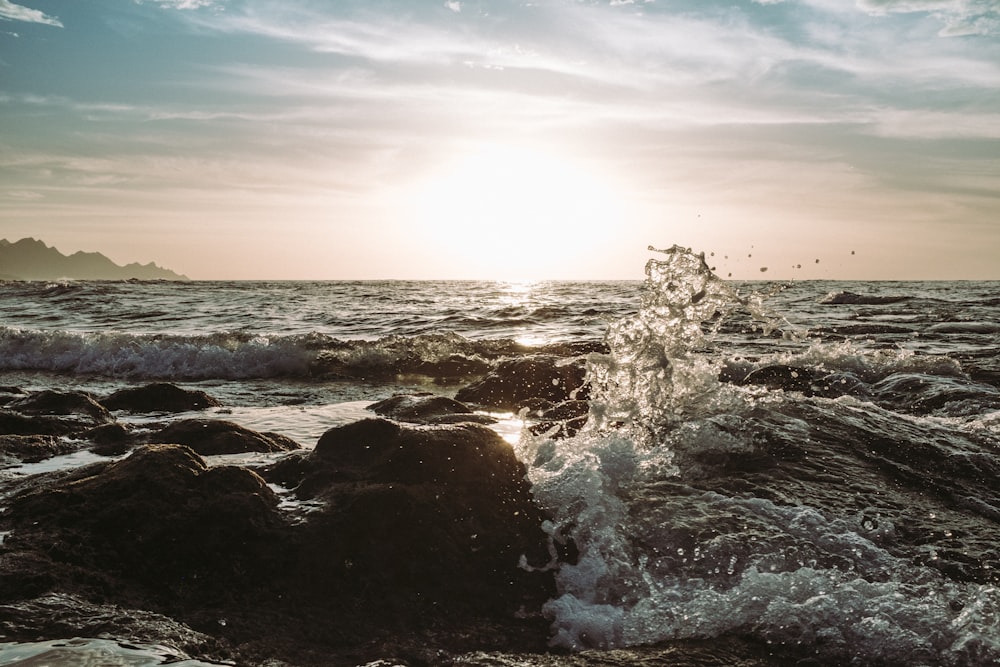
(29, 259)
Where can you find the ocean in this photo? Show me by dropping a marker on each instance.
(808, 464)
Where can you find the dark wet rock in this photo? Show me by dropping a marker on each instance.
(210, 437)
(412, 545)
(60, 615)
(14, 423)
(109, 439)
(796, 378)
(285, 443)
(32, 448)
(51, 402)
(159, 397)
(426, 409)
(441, 515)
(158, 520)
(515, 381)
(452, 368)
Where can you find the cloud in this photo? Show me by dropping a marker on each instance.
(454, 6)
(960, 17)
(188, 4)
(11, 12)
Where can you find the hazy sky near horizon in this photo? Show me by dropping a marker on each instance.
(504, 139)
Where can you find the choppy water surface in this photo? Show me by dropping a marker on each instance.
(811, 464)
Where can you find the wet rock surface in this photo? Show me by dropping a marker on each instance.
(51, 402)
(210, 437)
(32, 448)
(426, 409)
(413, 541)
(515, 381)
(441, 515)
(159, 397)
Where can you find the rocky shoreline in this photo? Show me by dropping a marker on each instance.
(415, 536)
(411, 537)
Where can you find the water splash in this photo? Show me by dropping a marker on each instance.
(656, 374)
(666, 552)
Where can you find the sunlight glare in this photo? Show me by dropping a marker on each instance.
(519, 212)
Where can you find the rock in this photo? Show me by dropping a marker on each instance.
(159, 397)
(159, 519)
(413, 539)
(33, 448)
(109, 439)
(439, 515)
(60, 615)
(210, 437)
(51, 402)
(13, 423)
(515, 381)
(426, 409)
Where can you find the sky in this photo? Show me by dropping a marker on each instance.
(506, 140)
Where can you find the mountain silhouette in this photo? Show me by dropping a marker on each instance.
(30, 259)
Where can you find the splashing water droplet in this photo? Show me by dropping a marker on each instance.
(650, 379)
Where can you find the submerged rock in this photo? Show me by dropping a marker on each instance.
(515, 381)
(32, 448)
(159, 397)
(210, 437)
(51, 402)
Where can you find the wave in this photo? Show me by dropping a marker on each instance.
(230, 355)
(242, 355)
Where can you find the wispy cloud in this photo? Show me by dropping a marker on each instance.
(186, 4)
(960, 17)
(12, 12)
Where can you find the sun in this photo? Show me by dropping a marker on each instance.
(514, 213)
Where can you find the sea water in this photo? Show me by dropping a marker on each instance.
(701, 504)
